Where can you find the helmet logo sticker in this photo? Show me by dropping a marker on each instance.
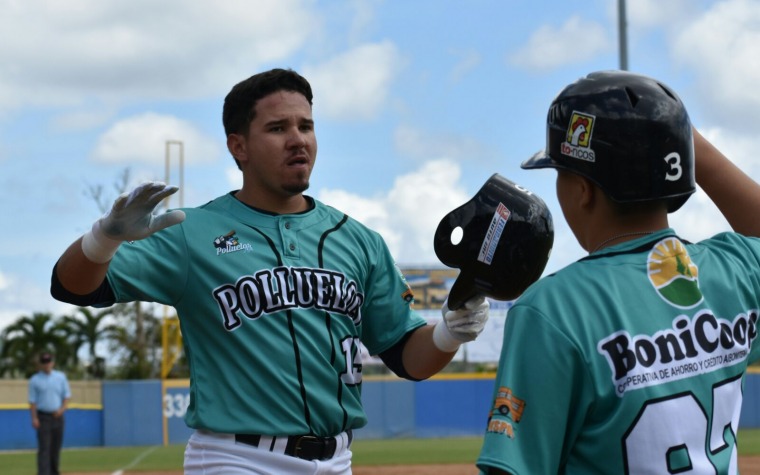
(578, 140)
(673, 275)
(491, 240)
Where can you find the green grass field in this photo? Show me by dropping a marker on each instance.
(366, 452)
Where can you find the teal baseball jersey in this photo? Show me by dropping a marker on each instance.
(629, 361)
(272, 310)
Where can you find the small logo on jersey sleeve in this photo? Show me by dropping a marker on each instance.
(407, 295)
(507, 409)
(673, 275)
(230, 243)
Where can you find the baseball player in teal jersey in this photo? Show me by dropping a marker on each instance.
(642, 346)
(275, 292)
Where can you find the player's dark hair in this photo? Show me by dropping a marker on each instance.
(240, 104)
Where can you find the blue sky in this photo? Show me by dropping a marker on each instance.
(416, 104)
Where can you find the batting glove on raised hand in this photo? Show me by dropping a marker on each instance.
(131, 218)
(461, 325)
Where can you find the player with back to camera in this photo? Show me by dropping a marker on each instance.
(274, 291)
(642, 346)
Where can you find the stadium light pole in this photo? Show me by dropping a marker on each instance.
(622, 36)
(181, 183)
(171, 337)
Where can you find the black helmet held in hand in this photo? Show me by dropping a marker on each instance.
(507, 236)
(627, 133)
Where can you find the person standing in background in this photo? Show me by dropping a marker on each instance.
(49, 396)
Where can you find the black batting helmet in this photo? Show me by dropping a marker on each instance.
(627, 133)
(507, 235)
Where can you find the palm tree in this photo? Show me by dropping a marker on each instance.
(137, 344)
(24, 339)
(88, 331)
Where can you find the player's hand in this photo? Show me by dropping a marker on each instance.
(461, 325)
(131, 218)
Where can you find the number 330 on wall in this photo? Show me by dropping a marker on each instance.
(175, 405)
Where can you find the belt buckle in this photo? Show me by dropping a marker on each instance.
(307, 438)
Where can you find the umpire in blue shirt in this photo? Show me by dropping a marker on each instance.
(49, 395)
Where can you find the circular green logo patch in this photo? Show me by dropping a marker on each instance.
(673, 275)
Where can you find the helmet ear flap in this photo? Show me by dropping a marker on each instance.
(507, 236)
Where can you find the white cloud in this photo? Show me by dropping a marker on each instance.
(355, 84)
(700, 218)
(408, 215)
(363, 17)
(565, 249)
(69, 51)
(5, 281)
(548, 48)
(371, 212)
(234, 177)
(420, 144)
(82, 119)
(16, 293)
(722, 47)
(740, 148)
(143, 138)
(656, 13)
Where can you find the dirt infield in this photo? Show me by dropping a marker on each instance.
(747, 466)
(417, 470)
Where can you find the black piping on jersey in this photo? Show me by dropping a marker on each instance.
(321, 244)
(646, 246)
(320, 262)
(291, 328)
(328, 317)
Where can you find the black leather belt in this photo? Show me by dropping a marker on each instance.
(307, 447)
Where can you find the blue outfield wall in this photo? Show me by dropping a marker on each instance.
(151, 413)
(132, 413)
(82, 428)
(750, 416)
(452, 408)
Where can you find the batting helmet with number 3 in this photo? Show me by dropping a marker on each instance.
(627, 133)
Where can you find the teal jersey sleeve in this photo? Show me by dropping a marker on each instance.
(637, 352)
(534, 419)
(389, 291)
(152, 270)
(273, 311)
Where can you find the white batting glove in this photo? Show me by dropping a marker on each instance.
(462, 325)
(131, 218)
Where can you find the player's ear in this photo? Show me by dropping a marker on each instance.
(587, 192)
(574, 189)
(236, 144)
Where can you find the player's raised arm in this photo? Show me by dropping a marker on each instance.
(736, 195)
(432, 347)
(82, 267)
